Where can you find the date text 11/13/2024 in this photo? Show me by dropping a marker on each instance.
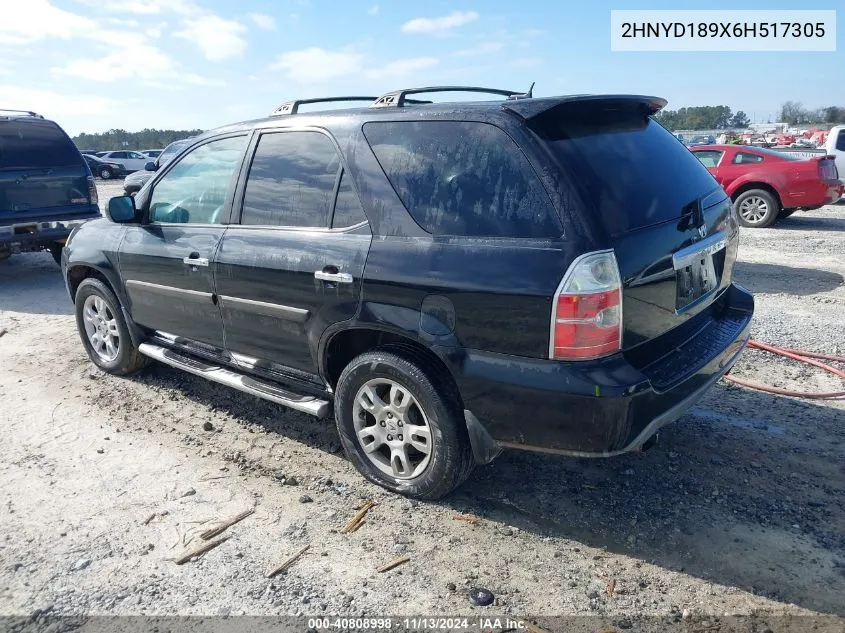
(418, 624)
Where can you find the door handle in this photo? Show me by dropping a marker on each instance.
(194, 259)
(338, 278)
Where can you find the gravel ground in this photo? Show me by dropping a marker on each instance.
(737, 510)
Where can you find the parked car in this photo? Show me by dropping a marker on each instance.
(134, 181)
(835, 146)
(766, 184)
(104, 169)
(152, 153)
(46, 187)
(701, 140)
(133, 161)
(451, 279)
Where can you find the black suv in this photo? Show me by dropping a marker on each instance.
(550, 274)
(46, 187)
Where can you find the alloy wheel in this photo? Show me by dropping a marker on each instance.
(101, 328)
(392, 428)
(754, 209)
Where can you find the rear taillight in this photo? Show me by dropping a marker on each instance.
(587, 309)
(827, 169)
(92, 191)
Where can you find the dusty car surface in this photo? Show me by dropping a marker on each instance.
(450, 279)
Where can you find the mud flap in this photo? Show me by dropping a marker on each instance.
(484, 448)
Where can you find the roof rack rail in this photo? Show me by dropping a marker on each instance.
(397, 98)
(26, 112)
(292, 107)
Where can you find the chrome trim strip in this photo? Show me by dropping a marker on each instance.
(167, 291)
(308, 404)
(298, 315)
(709, 246)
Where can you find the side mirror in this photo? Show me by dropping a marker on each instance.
(151, 166)
(121, 210)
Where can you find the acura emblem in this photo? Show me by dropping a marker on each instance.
(702, 230)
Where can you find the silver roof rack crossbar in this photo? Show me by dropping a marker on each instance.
(26, 112)
(398, 99)
(292, 107)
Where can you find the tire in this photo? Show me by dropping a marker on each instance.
(106, 173)
(125, 359)
(785, 213)
(761, 209)
(449, 459)
(56, 252)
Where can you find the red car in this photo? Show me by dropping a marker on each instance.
(766, 185)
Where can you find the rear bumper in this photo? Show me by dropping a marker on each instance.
(607, 407)
(33, 235)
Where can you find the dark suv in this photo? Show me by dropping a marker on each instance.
(46, 187)
(550, 274)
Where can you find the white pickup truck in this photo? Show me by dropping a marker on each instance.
(835, 146)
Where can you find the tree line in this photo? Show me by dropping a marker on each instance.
(794, 113)
(121, 139)
(721, 117)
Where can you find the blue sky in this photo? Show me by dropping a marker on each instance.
(93, 65)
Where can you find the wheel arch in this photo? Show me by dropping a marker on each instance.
(77, 273)
(340, 347)
(756, 184)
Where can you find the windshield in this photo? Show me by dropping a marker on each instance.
(629, 167)
(37, 144)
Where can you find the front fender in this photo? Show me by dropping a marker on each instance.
(95, 246)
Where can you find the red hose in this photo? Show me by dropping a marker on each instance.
(799, 355)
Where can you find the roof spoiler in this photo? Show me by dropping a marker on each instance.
(532, 108)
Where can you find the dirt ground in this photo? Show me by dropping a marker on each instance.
(104, 481)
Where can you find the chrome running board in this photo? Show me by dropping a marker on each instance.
(248, 384)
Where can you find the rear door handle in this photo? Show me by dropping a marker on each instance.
(338, 278)
(194, 259)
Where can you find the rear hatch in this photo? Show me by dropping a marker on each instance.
(669, 223)
(42, 174)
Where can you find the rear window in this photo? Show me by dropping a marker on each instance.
(463, 178)
(35, 144)
(632, 170)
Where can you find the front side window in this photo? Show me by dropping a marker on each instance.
(463, 178)
(709, 158)
(840, 141)
(195, 190)
(743, 159)
(291, 180)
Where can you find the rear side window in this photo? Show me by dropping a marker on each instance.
(347, 210)
(743, 158)
(291, 180)
(35, 144)
(840, 141)
(632, 170)
(463, 178)
(709, 158)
